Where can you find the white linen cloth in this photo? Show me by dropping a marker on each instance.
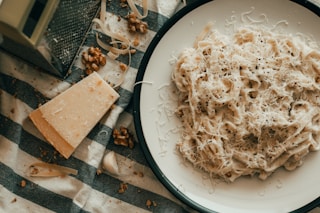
(23, 88)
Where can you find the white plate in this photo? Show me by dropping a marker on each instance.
(156, 126)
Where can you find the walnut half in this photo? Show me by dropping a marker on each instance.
(123, 137)
(93, 59)
(136, 25)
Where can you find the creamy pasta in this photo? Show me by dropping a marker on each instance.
(249, 102)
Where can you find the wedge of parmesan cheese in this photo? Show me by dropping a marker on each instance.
(67, 119)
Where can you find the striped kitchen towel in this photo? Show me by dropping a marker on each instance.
(23, 88)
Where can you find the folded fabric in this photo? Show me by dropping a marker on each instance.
(23, 88)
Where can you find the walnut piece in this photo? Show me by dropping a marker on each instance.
(148, 203)
(123, 187)
(123, 137)
(23, 183)
(92, 59)
(136, 25)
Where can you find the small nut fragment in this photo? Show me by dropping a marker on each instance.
(123, 137)
(136, 41)
(88, 71)
(123, 187)
(123, 67)
(23, 183)
(123, 3)
(148, 203)
(140, 174)
(95, 67)
(143, 28)
(92, 51)
(133, 51)
(130, 143)
(102, 60)
(92, 59)
(136, 25)
(34, 170)
(85, 56)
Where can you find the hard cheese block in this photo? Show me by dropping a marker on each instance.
(67, 119)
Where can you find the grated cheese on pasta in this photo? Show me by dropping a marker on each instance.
(249, 103)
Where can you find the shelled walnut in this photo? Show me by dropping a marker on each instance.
(123, 137)
(136, 25)
(122, 188)
(93, 58)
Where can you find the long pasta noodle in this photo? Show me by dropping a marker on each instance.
(248, 102)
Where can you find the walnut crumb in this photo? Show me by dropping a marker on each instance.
(140, 174)
(34, 170)
(148, 203)
(136, 41)
(123, 3)
(123, 187)
(23, 183)
(123, 137)
(123, 67)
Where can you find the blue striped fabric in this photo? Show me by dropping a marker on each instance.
(23, 88)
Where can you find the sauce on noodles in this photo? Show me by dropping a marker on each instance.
(249, 102)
